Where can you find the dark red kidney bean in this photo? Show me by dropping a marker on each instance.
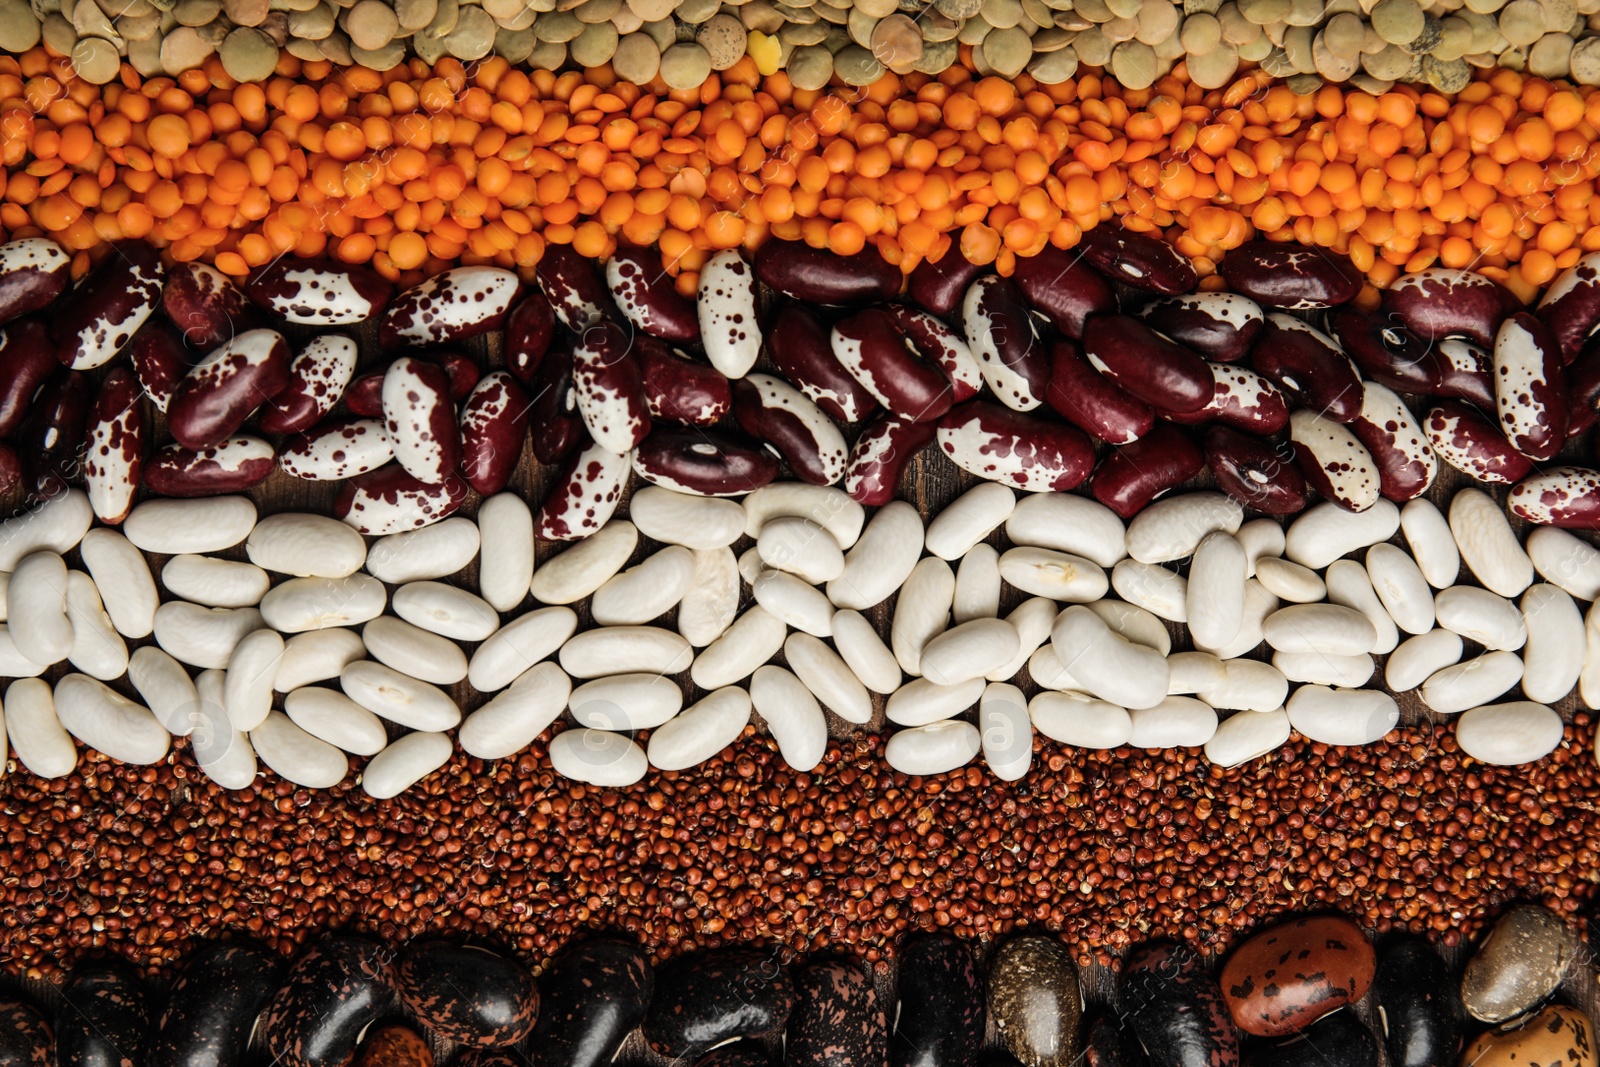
(336, 450)
(1583, 391)
(1018, 450)
(421, 419)
(1386, 351)
(462, 302)
(771, 410)
(529, 328)
(680, 389)
(879, 456)
(584, 497)
(1466, 372)
(1135, 474)
(553, 409)
(1242, 399)
(33, 272)
(1219, 326)
(1442, 302)
(213, 400)
(364, 395)
(1000, 330)
(1529, 387)
(578, 295)
(388, 500)
(610, 387)
(938, 287)
(1138, 259)
(237, 464)
(647, 296)
(947, 349)
(797, 270)
(1058, 284)
(160, 360)
(318, 292)
(1146, 365)
(462, 370)
(1088, 399)
(317, 379)
(204, 304)
(800, 348)
(27, 359)
(1309, 365)
(1469, 442)
(494, 424)
(1255, 472)
(702, 462)
(870, 347)
(1568, 497)
(10, 467)
(1406, 463)
(1571, 306)
(113, 460)
(1290, 276)
(52, 438)
(109, 306)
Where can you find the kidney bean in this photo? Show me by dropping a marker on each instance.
(1000, 330)
(1088, 399)
(1568, 497)
(388, 500)
(680, 389)
(337, 449)
(647, 297)
(1255, 472)
(1571, 306)
(702, 462)
(946, 348)
(1335, 463)
(204, 304)
(1529, 387)
(364, 395)
(553, 410)
(771, 410)
(52, 438)
(1406, 463)
(800, 348)
(610, 387)
(1241, 399)
(213, 400)
(27, 359)
(797, 270)
(494, 424)
(462, 302)
(420, 419)
(1290, 276)
(1018, 450)
(1135, 474)
(869, 345)
(1147, 365)
(1138, 260)
(239, 463)
(317, 379)
(1058, 284)
(1583, 391)
(319, 292)
(1386, 351)
(939, 286)
(33, 272)
(577, 293)
(461, 369)
(584, 497)
(1465, 372)
(1442, 302)
(10, 467)
(529, 328)
(1469, 442)
(114, 451)
(879, 456)
(1219, 326)
(1309, 364)
(109, 306)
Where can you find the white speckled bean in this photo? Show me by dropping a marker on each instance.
(330, 716)
(933, 749)
(518, 645)
(316, 656)
(405, 701)
(405, 763)
(420, 555)
(626, 702)
(296, 755)
(123, 577)
(505, 532)
(42, 745)
(1247, 735)
(1080, 720)
(508, 724)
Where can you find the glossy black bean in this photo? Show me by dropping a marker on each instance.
(706, 998)
(213, 1005)
(593, 997)
(940, 1018)
(1172, 1002)
(1107, 1042)
(334, 991)
(103, 1020)
(1419, 1006)
(467, 994)
(1337, 1040)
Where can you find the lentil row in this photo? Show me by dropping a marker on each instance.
(418, 168)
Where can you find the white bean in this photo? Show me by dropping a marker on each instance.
(1058, 575)
(701, 730)
(508, 724)
(801, 606)
(1326, 531)
(1290, 581)
(97, 649)
(1045, 668)
(1006, 730)
(712, 601)
(1479, 615)
(695, 522)
(1258, 604)
(505, 532)
(123, 577)
(330, 716)
(1247, 735)
(223, 753)
(1248, 685)
(1073, 524)
(801, 548)
(445, 610)
(203, 637)
(587, 565)
(14, 664)
(753, 639)
(598, 757)
(203, 524)
(1032, 620)
(216, 583)
(1411, 664)
(1566, 561)
(412, 650)
(933, 749)
(922, 700)
(1553, 656)
(626, 702)
(420, 555)
(1349, 717)
(977, 594)
(969, 518)
(57, 526)
(109, 722)
(625, 650)
(881, 559)
(405, 701)
(1262, 539)
(1215, 600)
(306, 546)
(828, 677)
(1176, 722)
(1488, 546)
(921, 611)
(1401, 587)
(1328, 628)
(1322, 668)
(792, 715)
(302, 604)
(518, 645)
(42, 745)
(405, 763)
(1433, 546)
(36, 602)
(247, 685)
(646, 591)
(316, 656)
(970, 650)
(1191, 672)
(859, 644)
(828, 507)
(1173, 527)
(1589, 679)
(1473, 682)
(166, 688)
(1505, 735)
(1080, 720)
(1349, 587)
(1155, 588)
(1109, 666)
(297, 756)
